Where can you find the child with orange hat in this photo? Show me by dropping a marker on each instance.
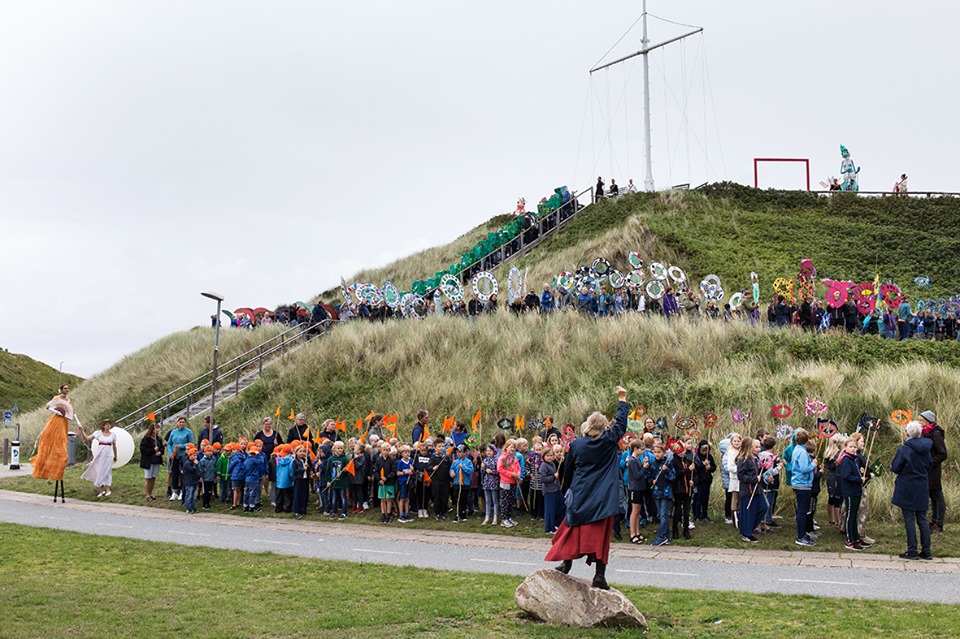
(303, 474)
(284, 493)
(236, 474)
(223, 470)
(253, 472)
(190, 476)
(208, 475)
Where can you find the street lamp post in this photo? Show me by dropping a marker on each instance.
(216, 353)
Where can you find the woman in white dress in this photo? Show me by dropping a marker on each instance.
(100, 470)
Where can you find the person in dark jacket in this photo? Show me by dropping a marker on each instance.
(439, 473)
(851, 489)
(553, 512)
(684, 467)
(151, 457)
(938, 454)
(705, 466)
(782, 311)
(911, 465)
(592, 474)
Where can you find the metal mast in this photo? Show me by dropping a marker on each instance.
(645, 42)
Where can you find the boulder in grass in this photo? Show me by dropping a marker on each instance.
(553, 597)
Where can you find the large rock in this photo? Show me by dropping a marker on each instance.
(551, 596)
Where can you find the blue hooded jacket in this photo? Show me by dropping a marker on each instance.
(285, 472)
(235, 468)
(253, 469)
(912, 464)
(801, 468)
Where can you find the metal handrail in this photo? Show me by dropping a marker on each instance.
(524, 246)
(892, 194)
(184, 396)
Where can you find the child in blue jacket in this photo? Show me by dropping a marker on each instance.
(235, 470)
(253, 472)
(661, 475)
(208, 475)
(284, 480)
(460, 471)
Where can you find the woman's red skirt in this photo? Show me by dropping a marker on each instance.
(589, 540)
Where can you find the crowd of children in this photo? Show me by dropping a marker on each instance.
(666, 484)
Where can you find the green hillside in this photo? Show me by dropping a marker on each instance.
(27, 383)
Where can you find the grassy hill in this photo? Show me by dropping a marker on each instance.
(27, 383)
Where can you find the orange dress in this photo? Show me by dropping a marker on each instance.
(51, 458)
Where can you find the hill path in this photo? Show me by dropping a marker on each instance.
(831, 574)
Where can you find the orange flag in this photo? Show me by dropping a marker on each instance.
(152, 417)
(277, 412)
(358, 426)
(425, 434)
(291, 416)
(548, 422)
(363, 437)
(447, 425)
(369, 417)
(476, 420)
(341, 426)
(520, 423)
(350, 468)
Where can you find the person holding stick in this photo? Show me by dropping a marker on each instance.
(752, 506)
(660, 476)
(802, 468)
(592, 474)
(460, 471)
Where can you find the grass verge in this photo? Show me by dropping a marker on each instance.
(155, 589)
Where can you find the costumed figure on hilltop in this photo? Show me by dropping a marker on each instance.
(849, 171)
(591, 476)
(51, 458)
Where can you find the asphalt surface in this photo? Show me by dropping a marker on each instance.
(324, 541)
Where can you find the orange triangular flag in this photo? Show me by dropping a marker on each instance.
(340, 426)
(447, 425)
(369, 417)
(363, 437)
(392, 427)
(358, 426)
(350, 468)
(152, 417)
(476, 420)
(277, 412)
(520, 423)
(425, 435)
(291, 416)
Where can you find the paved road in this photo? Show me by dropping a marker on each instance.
(716, 569)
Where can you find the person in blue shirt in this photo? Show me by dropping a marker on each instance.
(177, 440)
(208, 475)
(460, 471)
(404, 474)
(547, 302)
(801, 479)
(253, 472)
(235, 471)
(284, 479)
(660, 476)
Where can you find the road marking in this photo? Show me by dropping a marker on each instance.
(184, 532)
(509, 563)
(657, 572)
(382, 552)
(270, 541)
(814, 581)
(54, 518)
(103, 523)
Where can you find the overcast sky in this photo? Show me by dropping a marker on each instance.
(151, 150)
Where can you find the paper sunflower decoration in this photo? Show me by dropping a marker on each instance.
(616, 279)
(686, 423)
(636, 277)
(655, 289)
(901, 417)
(658, 271)
(710, 420)
(635, 259)
(601, 267)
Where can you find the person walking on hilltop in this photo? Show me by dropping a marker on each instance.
(591, 474)
(598, 192)
(938, 506)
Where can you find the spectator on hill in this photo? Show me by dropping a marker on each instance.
(598, 193)
(904, 319)
(614, 189)
(564, 298)
(491, 305)
(586, 303)
(546, 300)
(900, 188)
(631, 187)
(782, 312)
(670, 306)
(531, 301)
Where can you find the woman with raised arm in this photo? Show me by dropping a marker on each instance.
(591, 475)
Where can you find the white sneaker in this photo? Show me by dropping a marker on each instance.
(507, 524)
(102, 493)
(485, 521)
(173, 496)
(690, 526)
(366, 505)
(494, 522)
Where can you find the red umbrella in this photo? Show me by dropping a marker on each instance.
(246, 311)
(262, 311)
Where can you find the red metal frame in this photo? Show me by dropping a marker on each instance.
(757, 161)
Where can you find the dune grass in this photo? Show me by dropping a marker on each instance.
(27, 383)
(204, 592)
(149, 373)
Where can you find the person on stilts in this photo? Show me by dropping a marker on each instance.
(591, 473)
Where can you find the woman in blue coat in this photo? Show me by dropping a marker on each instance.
(912, 467)
(591, 474)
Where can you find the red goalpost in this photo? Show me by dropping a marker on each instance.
(757, 161)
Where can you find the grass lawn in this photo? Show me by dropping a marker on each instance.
(890, 536)
(92, 586)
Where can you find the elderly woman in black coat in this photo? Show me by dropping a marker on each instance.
(591, 474)
(912, 467)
